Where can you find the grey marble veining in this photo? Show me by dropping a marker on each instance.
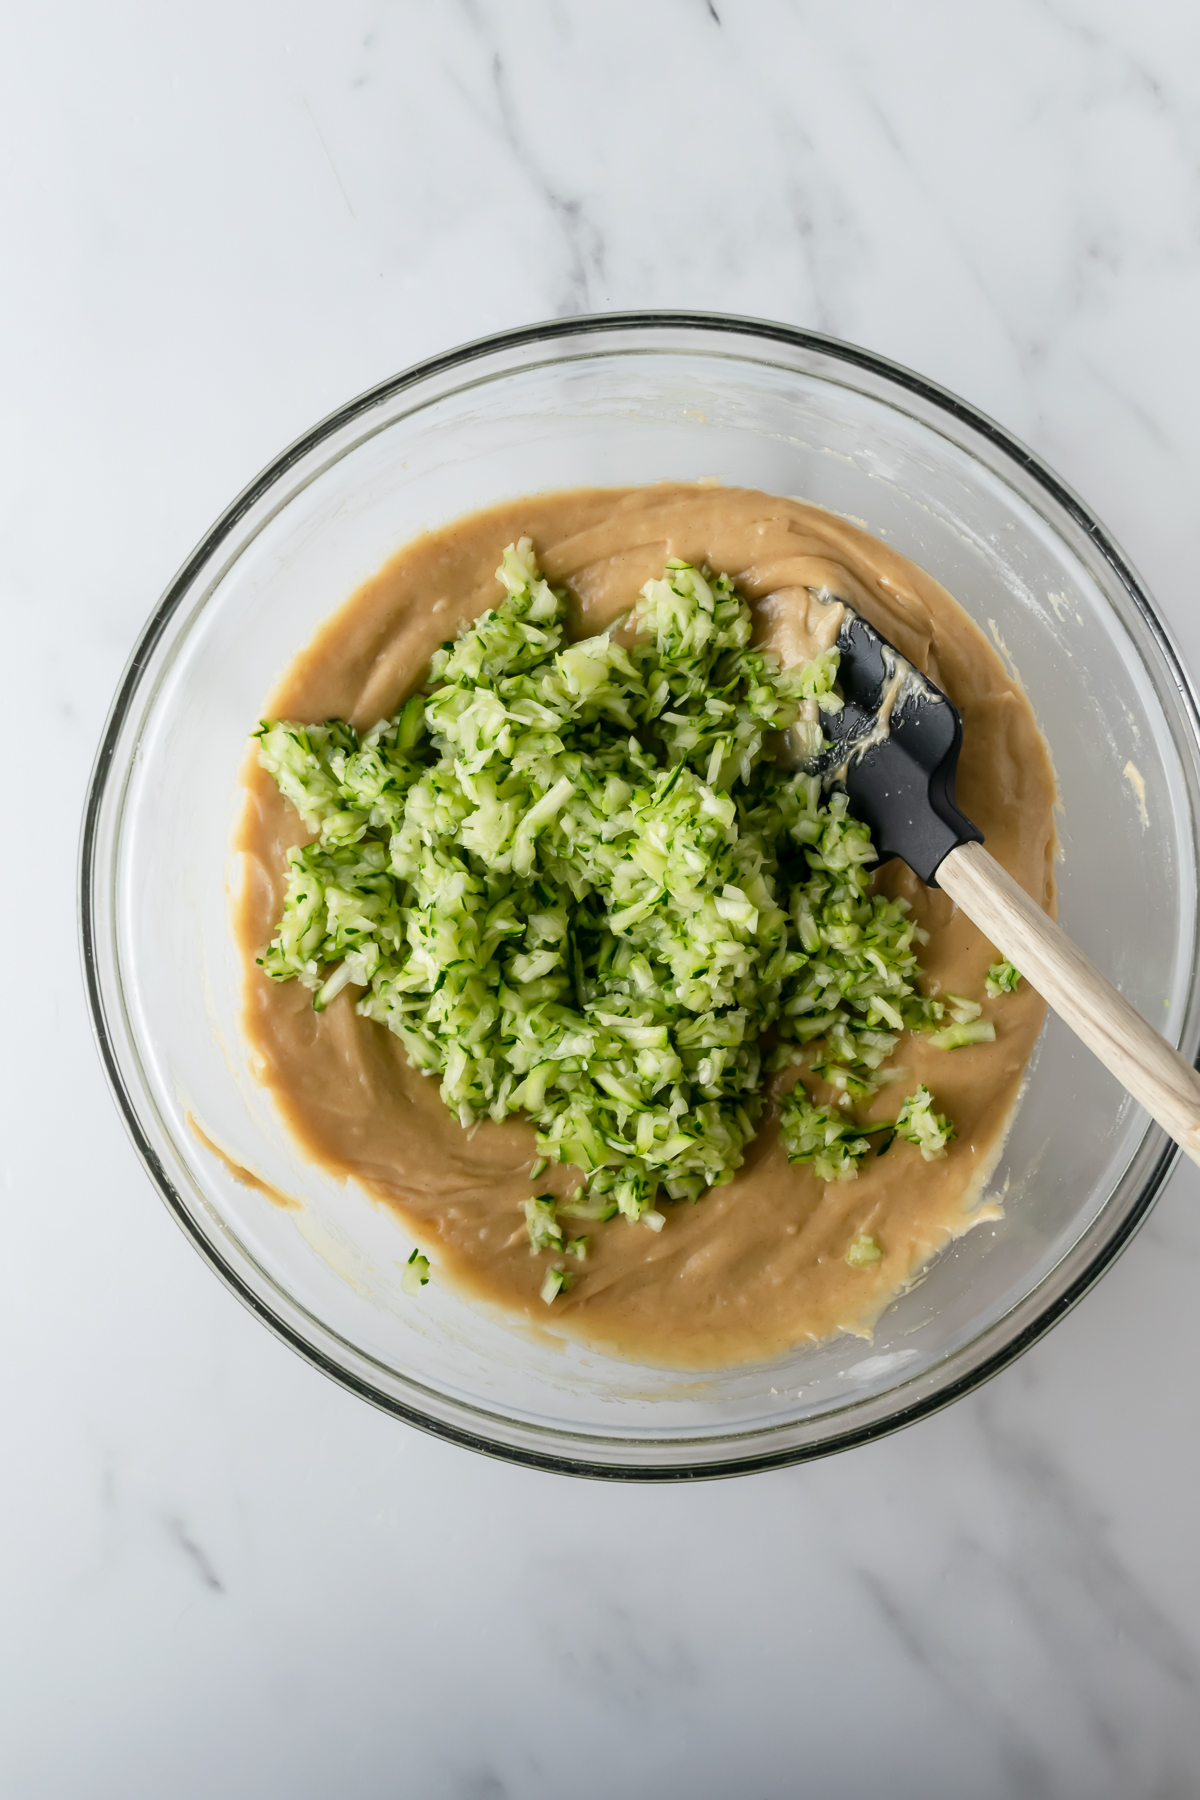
(225, 1577)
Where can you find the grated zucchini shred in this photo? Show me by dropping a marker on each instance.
(416, 1273)
(920, 1125)
(557, 1282)
(864, 1251)
(1002, 978)
(967, 1031)
(571, 878)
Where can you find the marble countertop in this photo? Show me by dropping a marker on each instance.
(224, 1576)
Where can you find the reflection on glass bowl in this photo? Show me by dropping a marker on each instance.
(613, 400)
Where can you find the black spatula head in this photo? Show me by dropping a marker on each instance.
(894, 747)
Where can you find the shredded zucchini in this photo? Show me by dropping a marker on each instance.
(821, 1136)
(864, 1251)
(834, 1145)
(557, 1282)
(1002, 978)
(920, 1125)
(969, 1031)
(571, 878)
(416, 1273)
(545, 1232)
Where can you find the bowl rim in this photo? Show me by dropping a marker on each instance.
(940, 400)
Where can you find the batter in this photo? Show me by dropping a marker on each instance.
(759, 1265)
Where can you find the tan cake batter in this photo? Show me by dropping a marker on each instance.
(758, 1265)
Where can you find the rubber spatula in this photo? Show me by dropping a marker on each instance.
(895, 747)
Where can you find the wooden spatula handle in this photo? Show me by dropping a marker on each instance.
(1142, 1061)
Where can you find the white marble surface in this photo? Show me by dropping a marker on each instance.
(223, 1576)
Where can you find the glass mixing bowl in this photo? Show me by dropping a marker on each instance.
(612, 400)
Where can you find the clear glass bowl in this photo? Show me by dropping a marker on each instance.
(611, 400)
